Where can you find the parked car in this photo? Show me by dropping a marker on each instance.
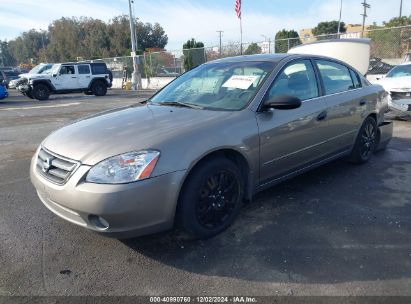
(215, 136)
(3, 92)
(10, 75)
(398, 84)
(378, 67)
(63, 78)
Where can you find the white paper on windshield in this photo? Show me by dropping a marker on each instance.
(240, 82)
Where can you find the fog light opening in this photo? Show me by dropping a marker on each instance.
(98, 222)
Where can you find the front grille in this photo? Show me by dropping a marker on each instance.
(54, 167)
(400, 95)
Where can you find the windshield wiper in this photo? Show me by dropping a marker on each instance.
(179, 104)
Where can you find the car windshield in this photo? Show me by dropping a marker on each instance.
(41, 68)
(400, 71)
(218, 86)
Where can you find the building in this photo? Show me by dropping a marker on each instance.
(353, 31)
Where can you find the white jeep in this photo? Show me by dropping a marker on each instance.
(90, 78)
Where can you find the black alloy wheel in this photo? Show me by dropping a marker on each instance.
(211, 198)
(366, 142)
(217, 199)
(41, 91)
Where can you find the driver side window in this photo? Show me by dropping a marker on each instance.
(297, 79)
(67, 70)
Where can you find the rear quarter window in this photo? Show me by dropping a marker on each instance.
(99, 68)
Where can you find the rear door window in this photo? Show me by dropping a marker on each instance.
(336, 77)
(83, 69)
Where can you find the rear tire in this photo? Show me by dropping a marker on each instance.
(211, 198)
(366, 142)
(99, 88)
(41, 92)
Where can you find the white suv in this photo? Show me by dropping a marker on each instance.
(90, 78)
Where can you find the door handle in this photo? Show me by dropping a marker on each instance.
(363, 101)
(322, 116)
(87, 76)
(73, 77)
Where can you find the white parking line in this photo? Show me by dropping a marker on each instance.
(41, 107)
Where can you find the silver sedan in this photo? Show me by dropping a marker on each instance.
(211, 139)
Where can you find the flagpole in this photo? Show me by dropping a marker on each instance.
(241, 37)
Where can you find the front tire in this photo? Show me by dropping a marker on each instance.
(211, 198)
(366, 142)
(41, 92)
(99, 88)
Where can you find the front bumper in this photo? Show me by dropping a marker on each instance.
(133, 209)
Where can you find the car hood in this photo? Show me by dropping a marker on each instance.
(400, 84)
(134, 128)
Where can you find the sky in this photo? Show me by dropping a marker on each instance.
(199, 19)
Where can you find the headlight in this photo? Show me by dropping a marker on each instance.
(124, 168)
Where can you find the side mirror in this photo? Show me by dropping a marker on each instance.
(283, 102)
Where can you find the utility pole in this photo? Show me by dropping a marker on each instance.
(364, 15)
(135, 76)
(220, 33)
(339, 20)
(401, 9)
(269, 42)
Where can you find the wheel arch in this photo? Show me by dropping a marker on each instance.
(94, 80)
(45, 82)
(230, 153)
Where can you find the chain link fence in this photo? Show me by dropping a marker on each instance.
(389, 47)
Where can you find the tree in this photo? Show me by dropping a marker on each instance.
(119, 35)
(253, 48)
(398, 21)
(390, 43)
(285, 40)
(194, 54)
(6, 57)
(150, 36)
(70, 38)
(328, 27)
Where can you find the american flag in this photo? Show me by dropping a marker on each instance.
(238, 8)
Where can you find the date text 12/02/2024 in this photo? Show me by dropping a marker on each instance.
(203, 299)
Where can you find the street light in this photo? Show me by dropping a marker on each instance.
(135, 76)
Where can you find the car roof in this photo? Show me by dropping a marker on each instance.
(259, 57)
(82, 62)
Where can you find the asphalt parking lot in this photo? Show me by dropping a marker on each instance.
(339, 230)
